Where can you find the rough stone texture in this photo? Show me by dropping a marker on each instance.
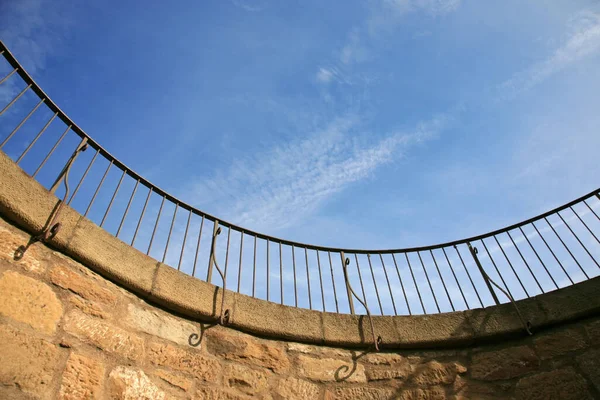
(366, 393)
(133, 384)
(435, 373)
(156, 323)
(30, 301)
(84, 287)
(88, 307)
(330, 370)
(82, 378)
(175, 380)
(557, 343)
(590, 365)
(246, 349)
(211, 393)
(504, 364)
(27, 362)
(593, 331)
(563, 384)
(297, 389)
(423, 394)
(193, 362)
(245, 379)
(106, 336)
(10, 240)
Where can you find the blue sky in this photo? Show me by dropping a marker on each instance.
(363, 124)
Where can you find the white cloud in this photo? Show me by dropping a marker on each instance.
(325, 75)
(583, 40)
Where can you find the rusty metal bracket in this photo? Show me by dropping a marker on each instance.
(345, 262)
(53, 225)
(225, 314)
(526, 324)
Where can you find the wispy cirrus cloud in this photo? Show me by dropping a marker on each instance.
(582, 40)
(272, 190)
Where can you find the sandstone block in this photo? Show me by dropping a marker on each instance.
(590, 365)
(10, 240)
(30, 301)
(563, 384)
(330, 370)
(27, 362)
(383, 368)
(423, 394)
(246, 349)
(558, 343)
(193, 362)
(87, 307)
(364, 393)
(436, 373)
(593, 331)
(84, 287)
(104, 335)
(503, 364)
(156, 323)
(82, 379)
(245, 379)
(133, 384)
(211, 393)
(297, 389)
(175, 380)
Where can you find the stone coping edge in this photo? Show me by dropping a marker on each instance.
(28, 205)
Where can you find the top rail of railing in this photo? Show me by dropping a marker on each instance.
(543, 262)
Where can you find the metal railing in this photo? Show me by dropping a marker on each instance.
(552, 250)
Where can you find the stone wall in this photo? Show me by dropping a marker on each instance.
(68, 333)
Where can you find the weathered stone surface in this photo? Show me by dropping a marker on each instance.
(244, 348)
(82, 379)
(87, 307)
(106, 336)
(156, 323)
(30, 301)
(563, 384)
(133, 384)
(558, 343)
(301, 348)
(10, 240)
(297, 389)
(194, 362)
(244, 379)
(590, 365)
(470, 389)
(84, 287)
(364, 393)
(27, 362)
(382, 358)
(382, 368)
(423, 394)
(503, 364)
(436, 373)
(593, 331)
(211, 393)
(330, 370)
(175, 380)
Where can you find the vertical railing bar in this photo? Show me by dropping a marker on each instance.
(337, 310)
(36, 138)
(254, 269)
(128, 205)
(347, 282)
(240, 262)
(212, 258)
(584, 224)
(401, 284)
(226, 257)
(538, 257)
(141, 216)
(468, 275)
(388, 283)
(15, 99)
(51, 151)
(362, 287)
(281, 274)
(83, 177)
(295, 283)
(156, 224)
(321, 280)
(590, 208)
(9, 75)
(198, 246)
(486, 278)
(429, 282)
(525, 261)
(568, 250)
(442, 279)
(308, 278)
(511, 266)
(496, 267)
(578, 240)
(187, 227)
(170, 232)
(21, 123)
(113, 198)
(268, 268)
(552, 252)
(415, 282)
(98, 189)
(375, 284)
(456, 279)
